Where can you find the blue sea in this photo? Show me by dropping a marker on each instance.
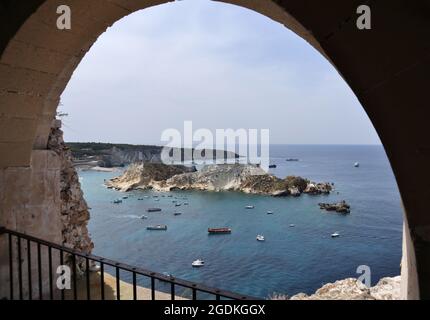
(291, 260)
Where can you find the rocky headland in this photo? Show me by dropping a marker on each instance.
(224, 177)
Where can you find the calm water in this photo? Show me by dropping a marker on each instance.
(291, 260)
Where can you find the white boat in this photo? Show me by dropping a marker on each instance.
(335, 235)
(198, 263)
(292, 225)
(356, 164)
(260, 238)
(270, 212)
(249, 207)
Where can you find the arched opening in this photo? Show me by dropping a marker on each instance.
(38, 60)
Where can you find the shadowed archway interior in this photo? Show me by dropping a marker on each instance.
(386, 67)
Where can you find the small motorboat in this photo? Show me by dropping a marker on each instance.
(198, 263)
(156, 199)
(219, 230)
(335, 235)
(270, 212)
(140, 199)
(146, 197)
(144, 217)
(160, 227)
(153, 210)
(273, 166)
(178, 204)
(260, 238)
(292, 160)
(249, 207)
(186, 203)
(356, 165)
(118, 201)
(125, 197)
(292, 225)
(177, 213)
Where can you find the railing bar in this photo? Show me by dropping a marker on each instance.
(62, 263)
(152, 288)
(194, 294)
(39, 270)
(139, 271)
(75, 289)
(218, 297)
(102, 280)
(30, 283)
(51, 289)
(11, 266)
(19, 268)
(134, 286)
(172, 291)
(87, 266)
(118, 289)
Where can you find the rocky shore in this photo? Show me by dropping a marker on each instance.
(352, 289)
(225, 177)
(74, 209)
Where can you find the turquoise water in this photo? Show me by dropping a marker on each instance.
(291, 260)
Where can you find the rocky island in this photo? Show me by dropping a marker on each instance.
(224, 177)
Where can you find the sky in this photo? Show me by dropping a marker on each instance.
(217, 65)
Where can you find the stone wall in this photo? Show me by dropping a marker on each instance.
(43, 200)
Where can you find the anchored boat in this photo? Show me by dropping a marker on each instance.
(219, 230)
(161, 227)
(198, 263)
(153, 210)
(260, 238)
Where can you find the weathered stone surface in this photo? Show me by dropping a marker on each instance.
(352, 289)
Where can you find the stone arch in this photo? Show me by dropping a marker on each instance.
(386, 67)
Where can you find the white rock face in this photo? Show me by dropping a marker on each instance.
(352, 289)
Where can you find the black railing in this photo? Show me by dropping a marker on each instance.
(16, 260)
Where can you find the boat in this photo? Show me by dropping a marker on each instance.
(273, 166)
(153, 210)
(260, 238)
(144, 217)
(335, 235)
(357, 165)
(156, 199)
(118, 201)
(292, 225)
(125, 197)
(161, 227)
(177, 213)
(178, 204)
(292, 160)
(140, 199)
(249, 207)
(198, 263)
(270, 212)
(186, 203)
(219, 230)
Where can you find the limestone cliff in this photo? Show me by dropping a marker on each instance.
(225, 177)
(74, 209)
(352, 289)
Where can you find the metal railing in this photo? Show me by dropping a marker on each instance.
(37, 281)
